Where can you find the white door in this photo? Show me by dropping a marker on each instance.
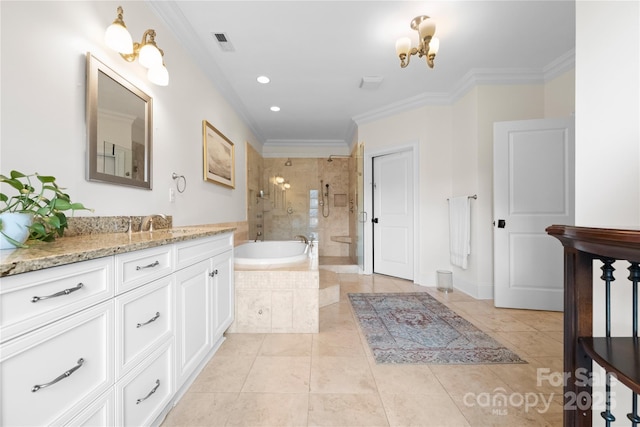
(393, 215)
(533, 188)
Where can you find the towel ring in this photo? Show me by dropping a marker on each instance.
(177, 178)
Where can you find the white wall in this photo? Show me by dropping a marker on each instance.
(608, 148)
(456, 158)
(608, 114)
(428, 130)
(43, 130)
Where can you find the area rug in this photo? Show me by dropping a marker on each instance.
(416, 328)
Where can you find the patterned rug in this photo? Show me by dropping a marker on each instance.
(416, 328)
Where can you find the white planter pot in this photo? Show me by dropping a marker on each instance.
(15, 226)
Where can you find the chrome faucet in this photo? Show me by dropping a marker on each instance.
(258, 236)
(148, 221)
(302, 238)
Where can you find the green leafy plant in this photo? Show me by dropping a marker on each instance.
(40, 196)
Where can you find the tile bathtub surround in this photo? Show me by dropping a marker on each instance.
(276, 300)
(332, 380)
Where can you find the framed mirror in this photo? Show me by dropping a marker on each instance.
(119, 128)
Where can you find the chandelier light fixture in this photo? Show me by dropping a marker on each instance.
(427, 44)
(147, 52)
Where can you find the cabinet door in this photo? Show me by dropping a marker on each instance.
(223, 293)
(50, 374)
(194, 311)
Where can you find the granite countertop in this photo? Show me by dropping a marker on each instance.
(68, 250)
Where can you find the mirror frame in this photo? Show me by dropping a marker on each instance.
(94, 67)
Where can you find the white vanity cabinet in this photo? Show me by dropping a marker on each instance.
(204, 300)
(112, 341)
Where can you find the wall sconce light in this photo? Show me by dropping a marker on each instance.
(149, 55)
(278, 179)
(427, 46)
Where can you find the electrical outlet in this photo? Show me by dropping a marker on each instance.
(172, 195)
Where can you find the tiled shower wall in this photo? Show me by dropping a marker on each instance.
(281, 214)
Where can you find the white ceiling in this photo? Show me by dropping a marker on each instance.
(316, 53)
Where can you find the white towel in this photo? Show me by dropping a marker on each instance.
(459, 230)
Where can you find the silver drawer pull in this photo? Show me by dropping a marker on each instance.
(153, 264)
(58, 294)
(61, 377)
(153, 319)
(153, 390)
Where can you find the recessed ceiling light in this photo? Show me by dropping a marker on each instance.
(275, 108)
(263, 79)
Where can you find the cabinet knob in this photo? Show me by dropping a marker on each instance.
(213, 273)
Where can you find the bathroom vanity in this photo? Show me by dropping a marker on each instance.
(111, 329)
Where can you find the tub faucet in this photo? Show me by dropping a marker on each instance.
(149, 220)
(258, 236)
(302, 238)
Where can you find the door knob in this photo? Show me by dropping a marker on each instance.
(501, 223)
(374, 220)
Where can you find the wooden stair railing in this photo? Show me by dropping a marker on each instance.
(619, 356)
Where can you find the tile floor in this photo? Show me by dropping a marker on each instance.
(330, 378)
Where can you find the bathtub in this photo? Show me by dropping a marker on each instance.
(271, 252)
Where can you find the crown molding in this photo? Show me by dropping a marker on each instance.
(560, 66)
(473, 78)
(405, 105)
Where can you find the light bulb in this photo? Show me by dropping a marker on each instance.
(427, 28)
(118, 38)
(434, 45)
(150, 56)
(158, 75)
(403, 46)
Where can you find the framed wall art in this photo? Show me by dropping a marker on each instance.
(219, 162)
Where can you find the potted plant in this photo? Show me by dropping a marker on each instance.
(39, 207)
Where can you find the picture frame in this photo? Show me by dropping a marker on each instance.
(219, 156)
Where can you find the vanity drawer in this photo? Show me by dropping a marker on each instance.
(136, 268)
(30, 300)
(71, 361)
(144, 319)
(192, 251)
(143, 393)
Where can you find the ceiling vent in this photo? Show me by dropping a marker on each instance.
(223, 42)
(371, 82)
